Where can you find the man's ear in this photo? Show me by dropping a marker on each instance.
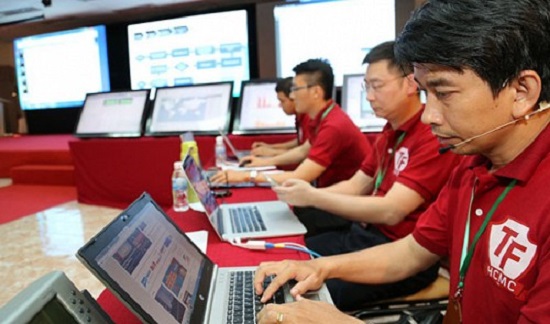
(527, 88)
(412, 86)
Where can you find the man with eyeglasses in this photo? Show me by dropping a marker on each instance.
(392, 188)
(334, 149)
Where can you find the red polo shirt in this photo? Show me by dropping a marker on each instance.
(337, 144)
(508, 279)
(416, 164)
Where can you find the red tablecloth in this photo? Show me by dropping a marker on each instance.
(221, 253)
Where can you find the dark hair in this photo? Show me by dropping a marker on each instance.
(284, 85)
(318, 72)
(496, 39)
(385, 51)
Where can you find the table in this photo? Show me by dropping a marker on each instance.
(221, 253)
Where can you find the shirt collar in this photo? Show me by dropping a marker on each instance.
(408, 125)
(525, 164)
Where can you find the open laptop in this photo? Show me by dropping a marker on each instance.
(156, 270)
(243, 220)
(239, 154)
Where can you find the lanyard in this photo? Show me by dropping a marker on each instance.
(382, 172)
(465, 259)
(325, 113)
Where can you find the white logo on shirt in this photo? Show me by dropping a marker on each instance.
(510, 254)
(401, 160)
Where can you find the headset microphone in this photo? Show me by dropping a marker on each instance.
(543, 106)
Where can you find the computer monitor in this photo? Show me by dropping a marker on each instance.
(355, 104)
(57, 70)
(341, 31)
(259, 110)
(199, 108)
(203, 48)
(113, 114)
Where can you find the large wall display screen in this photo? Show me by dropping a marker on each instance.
(341, 31)
(195, 49)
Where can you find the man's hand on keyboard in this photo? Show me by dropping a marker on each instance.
(308, 274)
(303, 311)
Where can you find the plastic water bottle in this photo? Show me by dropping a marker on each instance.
(220, 152)
(179, 188)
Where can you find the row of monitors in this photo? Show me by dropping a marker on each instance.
(205, 109)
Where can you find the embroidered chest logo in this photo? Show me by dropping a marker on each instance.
(401, 160)
(510, 254)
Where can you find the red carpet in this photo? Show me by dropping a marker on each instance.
(17, 201)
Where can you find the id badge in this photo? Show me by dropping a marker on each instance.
(454, 313)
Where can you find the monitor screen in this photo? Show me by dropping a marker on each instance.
(113, 114)
(259, 110)
(355, 104)
(57, 70)
(203, 48)
(342, 31)
(201, 108)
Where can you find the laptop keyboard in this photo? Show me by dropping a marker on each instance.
(244, 303)
(246, 219)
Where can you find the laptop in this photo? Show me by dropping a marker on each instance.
(162, 277)
(244, 220)
(239, 154)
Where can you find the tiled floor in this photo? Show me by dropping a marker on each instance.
(40, 243)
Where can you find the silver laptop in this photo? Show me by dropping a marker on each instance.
(156, 270)
(243, 220)
(239, 154)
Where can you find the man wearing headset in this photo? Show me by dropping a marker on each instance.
(484, 65)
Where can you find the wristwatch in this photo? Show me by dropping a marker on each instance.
(252, 175)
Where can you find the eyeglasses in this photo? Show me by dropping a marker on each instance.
(377, 85)
(295, 88)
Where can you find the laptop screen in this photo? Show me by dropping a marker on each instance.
(199, 183)
(201, 108)
(151, 265)
(259, 110)
(113, 114)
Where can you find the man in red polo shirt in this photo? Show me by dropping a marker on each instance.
(391, 189)
(287, 104)
(485, 67)
(334, 149)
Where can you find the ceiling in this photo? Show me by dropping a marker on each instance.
(27, 17)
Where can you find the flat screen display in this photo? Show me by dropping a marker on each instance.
(342, 31)
(195, 49)
(356, 105)
(201, 108)
(259, 110)
(57, 70)
(113, 114)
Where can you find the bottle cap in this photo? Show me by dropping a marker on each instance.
(219, 140)
(178, 165)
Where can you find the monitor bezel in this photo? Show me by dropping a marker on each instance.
(149, 121)
(345, 103)
(139, 133)
(236, 120)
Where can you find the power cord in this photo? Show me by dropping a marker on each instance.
(263, 245)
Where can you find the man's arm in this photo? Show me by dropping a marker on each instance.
(380, 264)
(359, 184)
(292, 156)
(390, 209)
